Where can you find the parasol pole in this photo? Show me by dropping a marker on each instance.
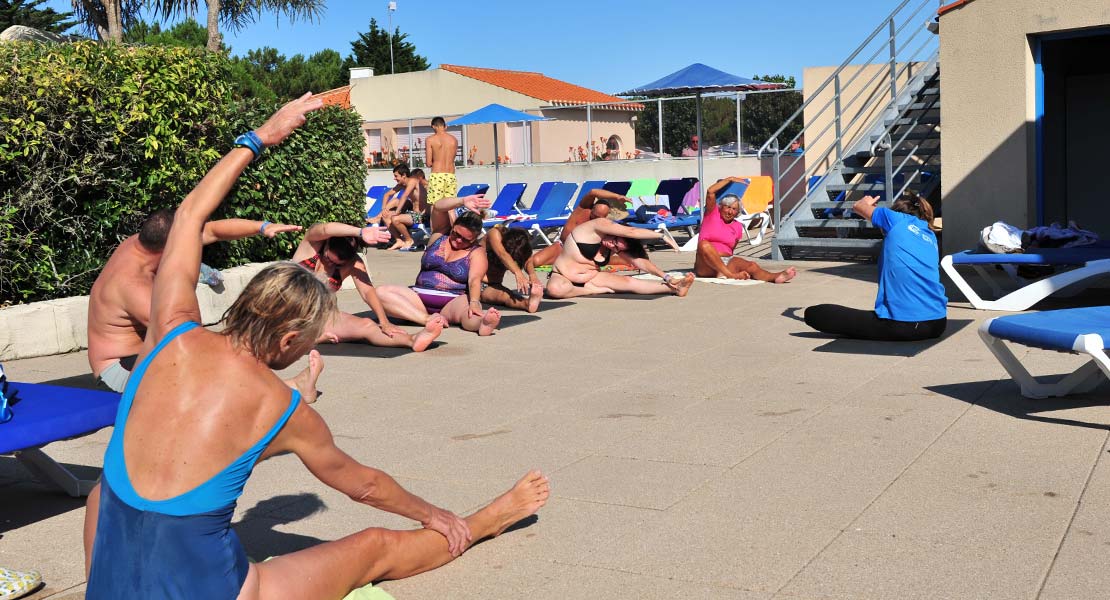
(496, 164)
(701, 147)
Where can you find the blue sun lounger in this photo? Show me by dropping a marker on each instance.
(505, 203)
(675, 190)
(1085, 266)
(375, 194)
(551, 213)
(472, 188)
(1075, 330)
(45, 413)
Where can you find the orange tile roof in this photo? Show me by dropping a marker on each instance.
(540, 86)
(951, 6)
(340, 96)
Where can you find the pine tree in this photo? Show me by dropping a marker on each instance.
(28, 14)
(371, 49)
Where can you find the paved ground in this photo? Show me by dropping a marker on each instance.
(707, 447)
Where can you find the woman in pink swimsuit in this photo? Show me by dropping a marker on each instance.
(720, 231)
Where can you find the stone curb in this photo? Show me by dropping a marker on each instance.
(60, 326)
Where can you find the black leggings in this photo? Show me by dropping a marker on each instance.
(866, 325)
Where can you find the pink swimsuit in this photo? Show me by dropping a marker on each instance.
(722, 235)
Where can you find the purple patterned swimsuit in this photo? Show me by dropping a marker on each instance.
(438, 274)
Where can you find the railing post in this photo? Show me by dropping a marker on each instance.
(589, 134)
(893, 62)
(412, 149)
(839, 133)
(659, 107)
(776, 178)
(466, 148)
(888, 165)
(739, 124)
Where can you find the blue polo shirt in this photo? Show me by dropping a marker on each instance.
(909, 269)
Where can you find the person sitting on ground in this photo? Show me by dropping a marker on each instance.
(577, 271)
(720, 232)
(595, 204)
(407, 210)
(119, 301)
(173, 473)
(510, 250)
(910, 304)
(451, 272)
(330, 251)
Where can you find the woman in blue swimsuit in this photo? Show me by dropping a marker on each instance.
(202, 408)
(451, 273)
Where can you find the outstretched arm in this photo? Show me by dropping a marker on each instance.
(174, 299)
(226, 230)
(310, 439)
(607, 227)
(596, 194)
(493, 239)
(865, 206)
(441, 217)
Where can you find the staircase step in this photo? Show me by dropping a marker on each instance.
(842, 204)
(837, 223)
(929, 105)
(881, 169)
(913, 135)
(826, 248)
(861, 187)
(925, 119)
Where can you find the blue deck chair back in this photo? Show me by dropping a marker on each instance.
(618, 187)
(507, 199)
(473, 188)
(375, 194)
(558, 201)
(675, 190)
(541, 196)
(586, 187)
(736, 188)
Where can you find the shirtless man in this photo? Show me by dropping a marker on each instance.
(408, 209)
(119, 303)
(440, 156)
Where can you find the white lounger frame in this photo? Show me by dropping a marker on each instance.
(1030, 293)
(1083, 379)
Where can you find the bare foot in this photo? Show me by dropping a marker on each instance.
(397, 245)
(437, 317)
(786, 275)
(522, 501)
(305, 381)
(432, 329)
(489, 322)
(681, 287)
(328, 338)
(406, 245)
(534, 297)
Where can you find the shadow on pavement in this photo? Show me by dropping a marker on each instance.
(364, 350)
(27, 500)
(1013, 404)
(258, 528)
(860, 272)
(839, 345)
(85, 381)
(512, 320)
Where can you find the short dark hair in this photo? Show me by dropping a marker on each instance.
(516, 242)
(470, 220)
(344, 248)
(403, 169)
(635, 248)
(155, 230)
(417, 173)
(439, 122)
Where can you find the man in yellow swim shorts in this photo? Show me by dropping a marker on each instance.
(441, 149)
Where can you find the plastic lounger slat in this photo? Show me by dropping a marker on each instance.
(1053, 329)
(49, 413)
(1044, 256)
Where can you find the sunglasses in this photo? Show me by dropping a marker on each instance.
(458, 236)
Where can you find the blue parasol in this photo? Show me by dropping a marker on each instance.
(495, 113)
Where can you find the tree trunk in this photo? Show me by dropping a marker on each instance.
(214, 37)
(114, 13)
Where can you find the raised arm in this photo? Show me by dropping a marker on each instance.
(441, 212)
(865, 206)
(309, 438)
(174, 299)
(592, 196)
(716, 188)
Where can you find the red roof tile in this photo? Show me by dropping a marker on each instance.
(540, 86)
(340, 97)
(951, 6)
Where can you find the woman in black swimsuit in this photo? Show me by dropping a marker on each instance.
(577, 271)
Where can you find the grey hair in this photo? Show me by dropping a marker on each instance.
(729, 199)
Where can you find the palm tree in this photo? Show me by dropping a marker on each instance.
(236, 14)
(106, 18)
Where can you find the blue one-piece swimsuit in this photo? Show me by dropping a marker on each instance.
(181, 547)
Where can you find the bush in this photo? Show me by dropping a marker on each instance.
(95, 137)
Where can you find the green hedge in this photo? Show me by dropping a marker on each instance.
(94, 137)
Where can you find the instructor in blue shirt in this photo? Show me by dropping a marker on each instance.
(911, 304)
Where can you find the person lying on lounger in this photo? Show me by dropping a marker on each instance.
(577, 271)
(911, 304)
(330, 251)
(181, 451)
(510, 251)
(451, 272)
(719, 234)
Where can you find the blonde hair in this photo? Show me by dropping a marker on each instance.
(280, 299)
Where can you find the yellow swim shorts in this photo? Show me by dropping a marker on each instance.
(442, 185)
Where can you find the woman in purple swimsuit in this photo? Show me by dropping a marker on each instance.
(451, 272)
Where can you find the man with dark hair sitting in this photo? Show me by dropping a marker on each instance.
(119, 302)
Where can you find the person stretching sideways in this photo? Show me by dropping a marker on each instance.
(720, 232)
(173, 473)
(595, 204)
(330, 251)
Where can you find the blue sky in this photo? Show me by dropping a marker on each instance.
(608, 45)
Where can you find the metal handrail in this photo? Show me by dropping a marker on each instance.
(896, 42)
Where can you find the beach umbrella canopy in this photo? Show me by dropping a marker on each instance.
(495, 113)
(699, 79)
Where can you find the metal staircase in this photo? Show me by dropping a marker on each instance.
(880, 139)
